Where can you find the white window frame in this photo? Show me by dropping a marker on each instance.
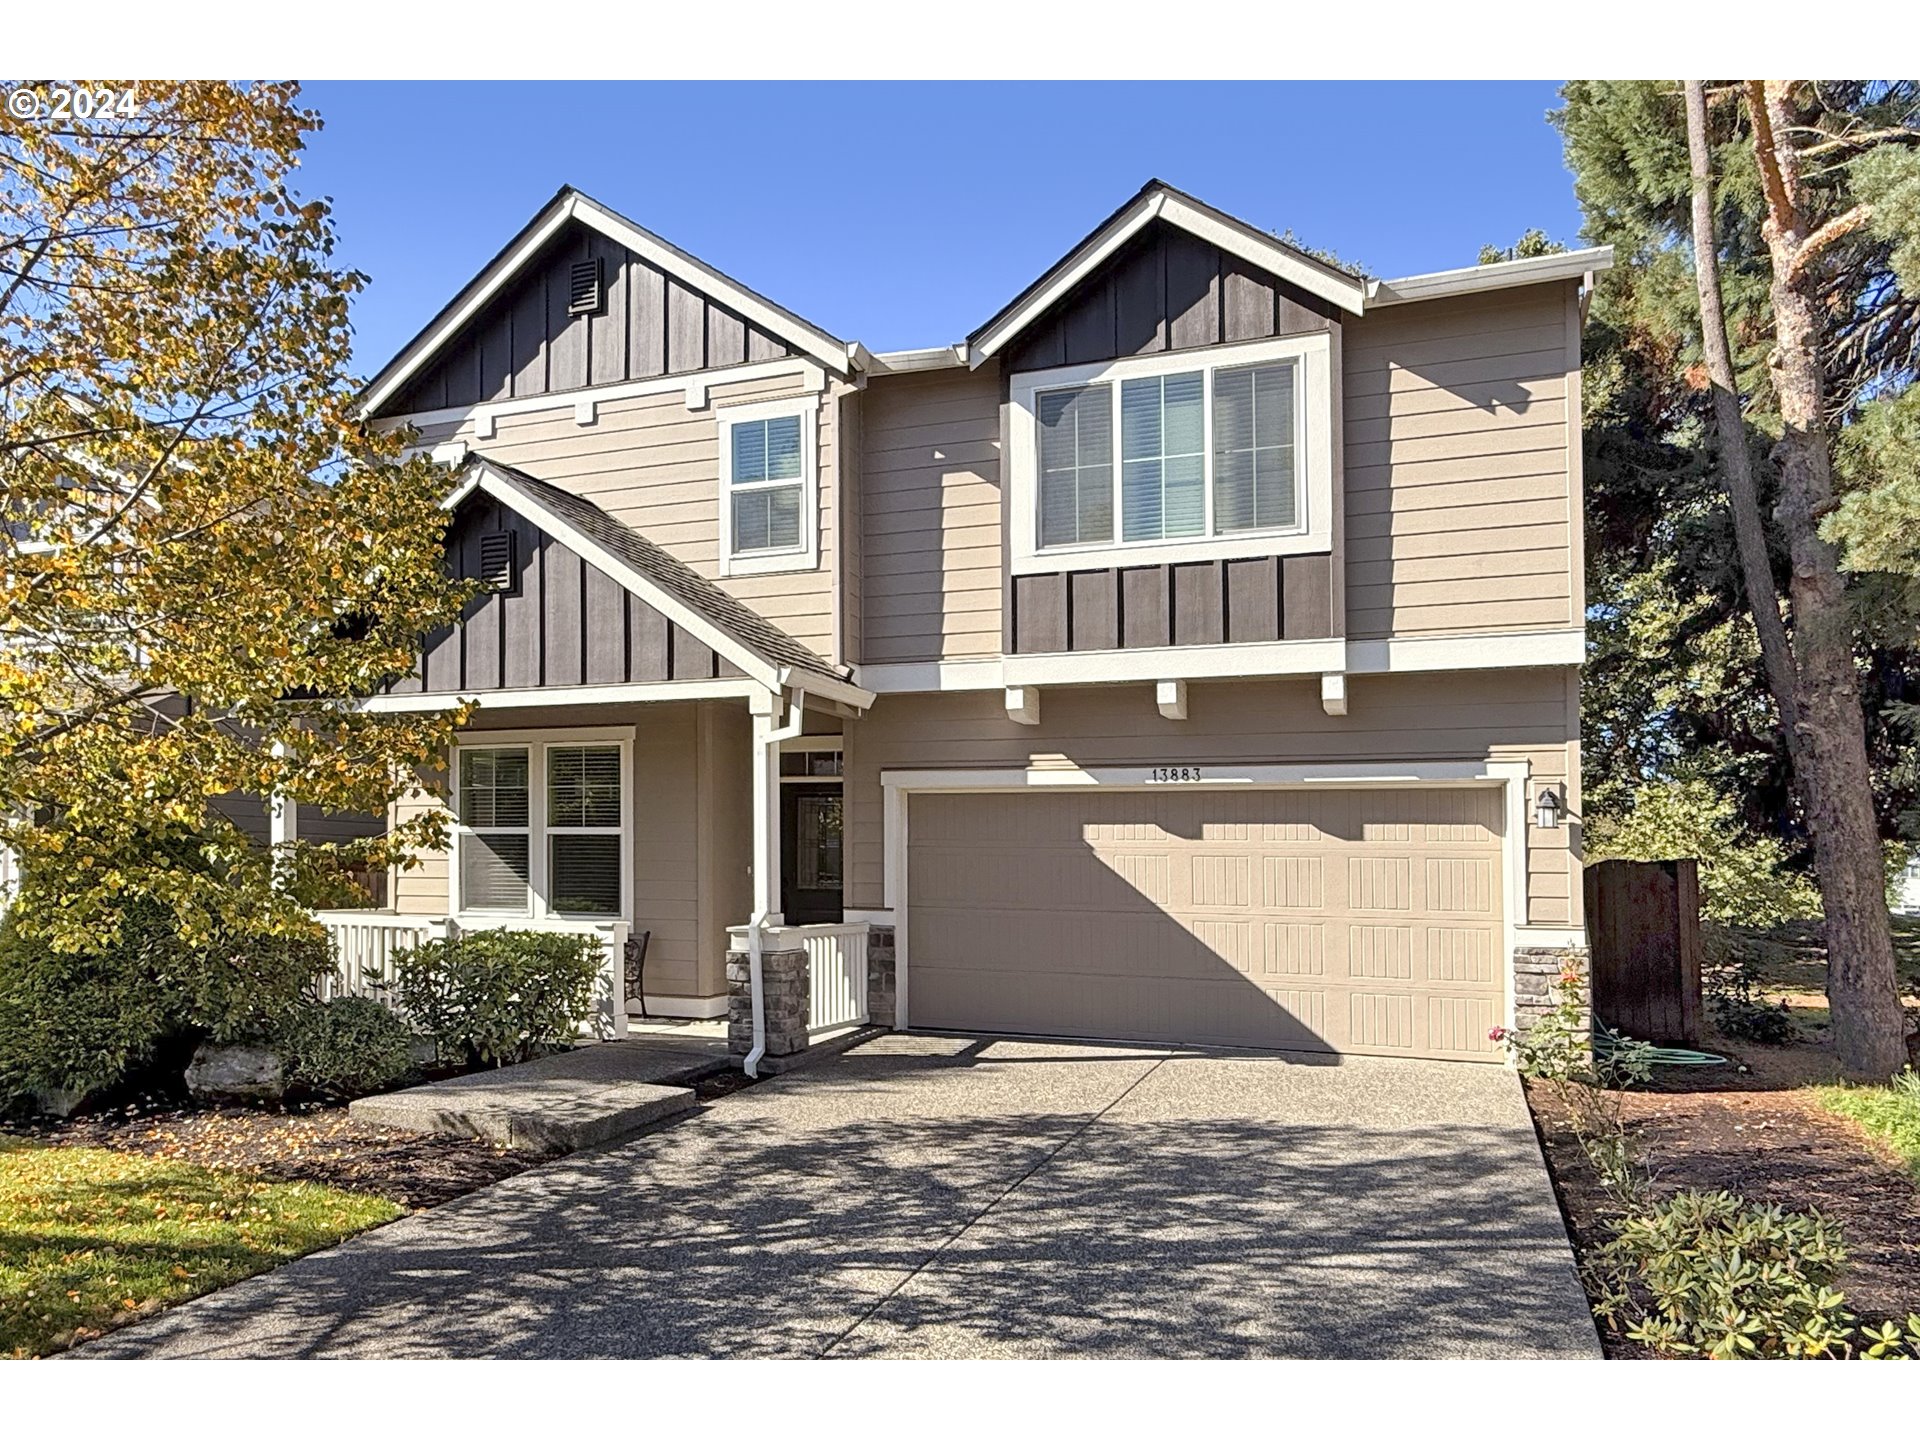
(536, 743)
(1312, 532)
(805, 555)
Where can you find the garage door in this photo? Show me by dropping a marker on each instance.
(1364, 921)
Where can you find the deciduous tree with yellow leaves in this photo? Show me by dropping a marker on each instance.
(206, 557)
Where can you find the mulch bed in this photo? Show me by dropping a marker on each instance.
(1747, 1131)
(319, 1144)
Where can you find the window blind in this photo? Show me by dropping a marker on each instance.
(1163, 457)
(767, 457)
(1253, 452)
(1076, 466)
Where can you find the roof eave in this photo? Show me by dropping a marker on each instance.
(1506, 275)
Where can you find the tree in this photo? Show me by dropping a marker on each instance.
(207, 557)
(1816, 335)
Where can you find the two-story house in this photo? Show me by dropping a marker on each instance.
(1191, 653)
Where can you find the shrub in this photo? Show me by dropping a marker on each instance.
(88, 1020)
(495, 997)
(1743, 876)
(347, 1047)
(1710, 1274)
(1732, 983)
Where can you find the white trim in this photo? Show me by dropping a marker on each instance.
(590, 550)
(1023, 704)
(539, 883)
(1269, 255)
(902, 677)
(1313, 448)
(1170, 698)
(868, 917)
(1498, 650)
(678, 1007)
(1473, 279)
(806, 554)
(823, 347)
(694, 385)
(1240, 661)
(1547, 937)
(570, 695)
(1510, 775)
(1333, 693)
(905, 362)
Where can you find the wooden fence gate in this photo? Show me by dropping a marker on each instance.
(1643, 928)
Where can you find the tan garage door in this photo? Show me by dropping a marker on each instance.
(1363, 921)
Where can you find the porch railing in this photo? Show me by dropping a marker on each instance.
(837, 970)
(366, 941)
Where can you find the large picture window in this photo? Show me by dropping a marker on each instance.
(1221, 452)
(542, 828)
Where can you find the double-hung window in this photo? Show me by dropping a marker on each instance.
(1195, 455)
(541, 827)
(768, 484)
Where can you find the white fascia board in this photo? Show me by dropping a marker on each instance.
(1269, 255)
(567, 696)
(1176, 662)
(1507, 651)
(904, 362)
(1348, 292)
(1471, 279)
(824, 687)
(689, 619)
(428, 345)
(823, 347)
(812, 341)
(481, 416)
(907, 677)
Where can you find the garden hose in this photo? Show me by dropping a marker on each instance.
(1605, 1042)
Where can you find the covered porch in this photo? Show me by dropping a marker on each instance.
(648, 761)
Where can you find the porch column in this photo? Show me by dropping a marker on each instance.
(283, 821)
(766, 806)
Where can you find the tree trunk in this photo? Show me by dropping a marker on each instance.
(1869, 1026)
(1736, 465)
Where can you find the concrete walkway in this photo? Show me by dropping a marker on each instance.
(560, 1103)
(943, 1196)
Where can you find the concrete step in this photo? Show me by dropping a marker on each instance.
(550, 1106)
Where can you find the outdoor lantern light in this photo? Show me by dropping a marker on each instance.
(1548, 808)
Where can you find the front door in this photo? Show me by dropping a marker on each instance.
(810, 854)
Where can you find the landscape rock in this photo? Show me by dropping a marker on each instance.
(237, 1072)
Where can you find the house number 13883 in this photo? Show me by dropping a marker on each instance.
(1174, 774)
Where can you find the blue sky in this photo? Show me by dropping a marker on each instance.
(904, 215)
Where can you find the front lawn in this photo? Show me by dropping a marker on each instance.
(92, 1238)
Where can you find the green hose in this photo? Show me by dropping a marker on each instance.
(1605, 1042)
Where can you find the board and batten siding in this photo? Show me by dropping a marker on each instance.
(690, 793)
(1462, 465)
(929, 520)
(655, 465)
(1530, 715)
(526, 343)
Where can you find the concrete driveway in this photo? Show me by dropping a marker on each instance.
(943, 1196)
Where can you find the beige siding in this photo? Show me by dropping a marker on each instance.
(1511, 714)
(1462, 443)
(930, 516)
(654, 464)
(689, 847)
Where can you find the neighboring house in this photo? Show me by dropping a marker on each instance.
(1906, 890)
(1188, 654)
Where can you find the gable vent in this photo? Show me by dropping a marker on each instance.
(497, 570)
(585, 294)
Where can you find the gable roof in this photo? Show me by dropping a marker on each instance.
(749, 640)
(571, 206)
(1158, 200)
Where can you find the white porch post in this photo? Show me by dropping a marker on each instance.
(283, 821)
(766, 848)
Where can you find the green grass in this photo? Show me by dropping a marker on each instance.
(90, 1238)
(1891, 1112)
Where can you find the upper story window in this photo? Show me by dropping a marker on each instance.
(1200, 455)
(768, 485)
